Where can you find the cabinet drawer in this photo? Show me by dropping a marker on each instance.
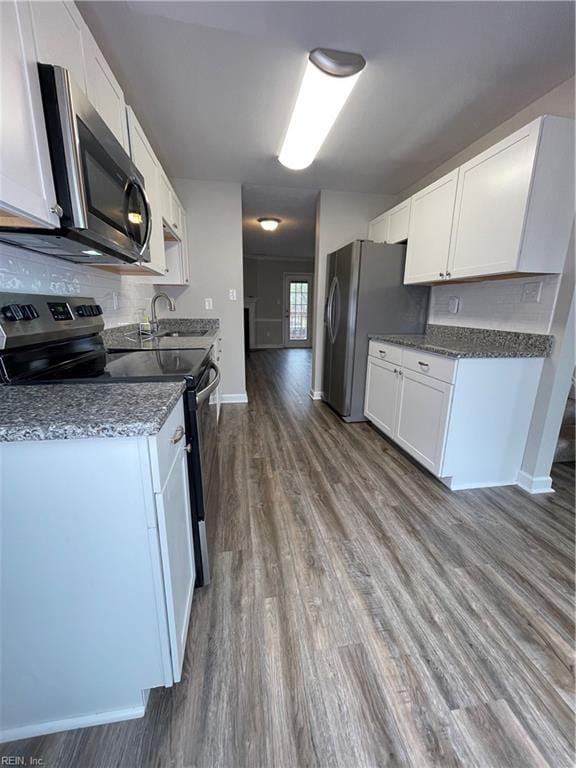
(388, 352)
(165, 446)
(437, 366)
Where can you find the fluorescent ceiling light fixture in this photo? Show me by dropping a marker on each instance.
(269, 224)
(327, 83)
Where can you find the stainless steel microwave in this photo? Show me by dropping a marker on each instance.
(102, 204)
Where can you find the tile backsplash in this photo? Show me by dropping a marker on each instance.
(506, 305)
(121, 296)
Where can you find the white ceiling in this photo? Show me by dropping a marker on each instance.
(214, 82)
(295, 236)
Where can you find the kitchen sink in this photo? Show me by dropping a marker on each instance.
(182, 334)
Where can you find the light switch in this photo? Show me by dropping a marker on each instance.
(232, 294)
(208, 304)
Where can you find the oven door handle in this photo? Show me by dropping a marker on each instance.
(207, 391)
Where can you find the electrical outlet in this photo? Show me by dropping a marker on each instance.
(232, 294)
(115, 300)
(532, 292)
(208, 304)
(454, 304)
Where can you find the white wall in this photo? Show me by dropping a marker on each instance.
(264, 280)
(121, 296)
(495, 303)
(214, 220)
(341, 218)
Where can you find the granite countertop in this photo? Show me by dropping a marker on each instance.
(457, 341)
(126, 337)
(70, 411)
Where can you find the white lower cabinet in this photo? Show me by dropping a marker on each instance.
(422, 417)
(97, 576)
(176, 545)
(464, 420)
(381, 387)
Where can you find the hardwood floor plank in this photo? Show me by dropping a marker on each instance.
(360, 613)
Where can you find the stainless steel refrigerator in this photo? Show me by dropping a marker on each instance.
(365, 296)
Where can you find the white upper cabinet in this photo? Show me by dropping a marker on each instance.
(146, 162)
(391, 226)
(430, 229)
(26, 186)
(398, 222)
(514, 203)
(58, 29)
(378, 228)
(104, 91)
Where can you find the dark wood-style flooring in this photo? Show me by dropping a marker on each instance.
(360, 615)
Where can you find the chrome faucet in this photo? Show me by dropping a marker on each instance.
(153, 317)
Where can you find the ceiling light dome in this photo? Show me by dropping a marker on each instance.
(328, 80)
(269, 224)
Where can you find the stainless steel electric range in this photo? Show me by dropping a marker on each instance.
(52, 339)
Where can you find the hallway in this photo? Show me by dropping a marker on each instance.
(360, 614)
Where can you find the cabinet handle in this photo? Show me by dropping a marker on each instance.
(382, 352)
(177, 436)
(399, 372)
(188, 448)
(441, 274)
(424, 365)
(448, 274)
(175, 225)
(395, 370)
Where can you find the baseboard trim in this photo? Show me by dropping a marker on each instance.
(72, 723)
(534, 485)
(471, 485)
(316, 394)
(241, 397)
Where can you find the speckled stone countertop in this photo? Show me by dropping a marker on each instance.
(456, 341)
(126, 337)
(70, 411)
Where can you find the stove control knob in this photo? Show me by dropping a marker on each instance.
(98, 309)
(81, 310)
(12, 312)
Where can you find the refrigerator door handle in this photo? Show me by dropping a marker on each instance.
(335, 310)
(329, 309)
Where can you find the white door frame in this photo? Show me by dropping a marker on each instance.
(294, 277)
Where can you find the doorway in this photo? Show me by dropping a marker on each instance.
(297, 309)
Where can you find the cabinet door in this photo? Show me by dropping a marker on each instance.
(58, 30)
(147, 164)
(104, 90)
(378, 229)
(429, 231)
(26, 185)
(398, 222)
(491, 206)
(423, 411)
(177, 550)
(166, 196)
(177, 215)
(380, 398)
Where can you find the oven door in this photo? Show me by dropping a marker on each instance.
(207, 437)
(98, 187)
